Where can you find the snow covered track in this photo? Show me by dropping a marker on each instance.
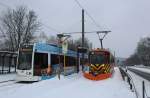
(73, 86)
(6, 81)
(10, 87)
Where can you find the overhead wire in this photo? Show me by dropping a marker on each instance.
(79, 4)
(72, 25)
(50, 28)
(88, 14)
(4, 5)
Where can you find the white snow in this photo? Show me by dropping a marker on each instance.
(138, 84)
(73, 86)
(143, 69)
(6, 77)
(12, 69)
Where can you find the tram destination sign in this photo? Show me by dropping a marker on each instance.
(26, 48)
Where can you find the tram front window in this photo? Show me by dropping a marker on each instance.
(24, 62)
(98, 59)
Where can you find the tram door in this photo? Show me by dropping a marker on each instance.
(40, 63)
(55, 60)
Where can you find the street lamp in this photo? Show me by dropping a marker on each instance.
(60, 41)
(60, 36)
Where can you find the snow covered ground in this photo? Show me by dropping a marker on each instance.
(138, 84)
(73, 86)
(6, 77)
(12, 69)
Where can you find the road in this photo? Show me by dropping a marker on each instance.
(141, 73)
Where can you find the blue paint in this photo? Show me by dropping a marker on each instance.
(54, 49)
(47, 77)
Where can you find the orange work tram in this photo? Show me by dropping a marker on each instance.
(100, 65)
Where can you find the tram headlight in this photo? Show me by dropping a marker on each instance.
(28, 73)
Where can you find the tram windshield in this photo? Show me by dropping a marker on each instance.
(99, 58)
(25, 59)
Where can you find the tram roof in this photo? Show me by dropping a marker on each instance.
(54, 49)
(102, 50)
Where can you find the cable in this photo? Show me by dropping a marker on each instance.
(93, 20)
(96, 24)
(50, 28)
(72, 25)
(4, 5)
(79, 4)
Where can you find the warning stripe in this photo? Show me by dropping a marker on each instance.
(108, 70)
(96, 68)
(103, 67)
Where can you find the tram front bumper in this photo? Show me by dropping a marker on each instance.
(27, 78)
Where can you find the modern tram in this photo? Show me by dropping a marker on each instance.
(40, 60)
(100, 64)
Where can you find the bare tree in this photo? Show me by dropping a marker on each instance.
(18, 27)
(87, 43)
(52, 39)
(72, 44)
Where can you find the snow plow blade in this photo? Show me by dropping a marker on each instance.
(98, 77)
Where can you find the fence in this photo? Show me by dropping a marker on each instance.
(144, 93)
(7, 62)
(129, 80)
(132, 86)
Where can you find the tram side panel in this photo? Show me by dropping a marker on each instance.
(35, 61)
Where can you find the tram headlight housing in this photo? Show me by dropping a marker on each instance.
(28, 73)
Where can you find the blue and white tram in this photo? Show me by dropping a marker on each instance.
(41, 59)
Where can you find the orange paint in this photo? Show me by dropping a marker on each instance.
(98, 77)
(49, 69)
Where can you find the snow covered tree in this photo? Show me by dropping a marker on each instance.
(133, 60)
(143, 51)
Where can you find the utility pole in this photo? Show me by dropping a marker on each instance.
(82, 61)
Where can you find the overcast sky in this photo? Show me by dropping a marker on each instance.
(129, 20)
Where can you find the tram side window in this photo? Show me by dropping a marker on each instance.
(54, 59)
(112, 60)
(70, 61)
(41, 60)
(107, 60)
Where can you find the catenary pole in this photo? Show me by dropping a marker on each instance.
(82, 61)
